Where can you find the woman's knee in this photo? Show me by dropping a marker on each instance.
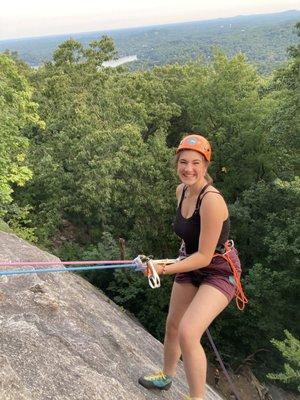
(172, 327)
(188, 335)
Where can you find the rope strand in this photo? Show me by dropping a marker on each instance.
(240, 297)
(30, 263)
(50, 270)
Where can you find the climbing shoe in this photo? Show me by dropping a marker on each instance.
(192, 398)
(156, 381)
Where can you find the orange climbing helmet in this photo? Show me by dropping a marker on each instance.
(197, 143)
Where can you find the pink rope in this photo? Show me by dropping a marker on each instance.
(37, 263)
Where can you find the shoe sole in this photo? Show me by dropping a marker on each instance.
(149, 385)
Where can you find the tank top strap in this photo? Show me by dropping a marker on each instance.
(211, 191)
(182, 196)
(200, 198)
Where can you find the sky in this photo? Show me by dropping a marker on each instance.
(27, 18)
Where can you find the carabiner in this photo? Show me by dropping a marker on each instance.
(153, 278)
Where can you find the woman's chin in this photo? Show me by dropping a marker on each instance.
(188, 181)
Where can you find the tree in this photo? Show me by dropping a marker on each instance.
(17, 112)
(265, 221)
(104, 144)
(100, 50)
(290, 350)
(223, 101)
(285, 118)
(225, 104)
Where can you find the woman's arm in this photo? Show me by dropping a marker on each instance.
(213, 212)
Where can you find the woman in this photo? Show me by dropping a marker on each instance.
(206, 278)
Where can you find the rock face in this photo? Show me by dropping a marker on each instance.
(62, 339)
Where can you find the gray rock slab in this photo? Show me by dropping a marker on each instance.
(63, 339)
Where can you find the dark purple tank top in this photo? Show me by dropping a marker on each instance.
(188, 229)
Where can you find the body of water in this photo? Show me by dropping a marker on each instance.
(119, 61)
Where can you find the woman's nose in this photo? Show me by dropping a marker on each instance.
(188, 167)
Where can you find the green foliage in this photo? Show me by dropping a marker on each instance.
(100, 51)
(18, 219)
(68, 52)
(285, 120)
(16, 110)
(72, 52)
(131, 290)
(272, 209)
(290, 350)
(270, 293)
(106, 249)
(231, 113)
(104, 145)
(266, 228)
(18, 113)
(229, 103)
(4, 227)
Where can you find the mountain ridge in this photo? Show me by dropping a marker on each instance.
(263, 38)
(109, 31)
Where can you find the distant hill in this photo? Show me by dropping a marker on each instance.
(264, 38)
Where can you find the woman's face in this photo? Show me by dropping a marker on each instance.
(191, 167)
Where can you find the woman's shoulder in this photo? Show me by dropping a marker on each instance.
(211, 189)
(212, 194)
(212, 199)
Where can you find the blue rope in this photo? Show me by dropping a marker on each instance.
(46, 270)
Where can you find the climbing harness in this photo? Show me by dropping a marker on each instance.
(240, 297)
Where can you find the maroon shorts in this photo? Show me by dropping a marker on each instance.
(217, 274)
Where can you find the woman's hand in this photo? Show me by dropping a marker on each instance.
(159, 267)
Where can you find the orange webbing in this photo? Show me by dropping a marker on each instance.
(240, 297)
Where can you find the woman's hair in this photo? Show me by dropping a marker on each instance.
(207, 177)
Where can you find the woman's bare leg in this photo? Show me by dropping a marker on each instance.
(205, 306)
(181, 297)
